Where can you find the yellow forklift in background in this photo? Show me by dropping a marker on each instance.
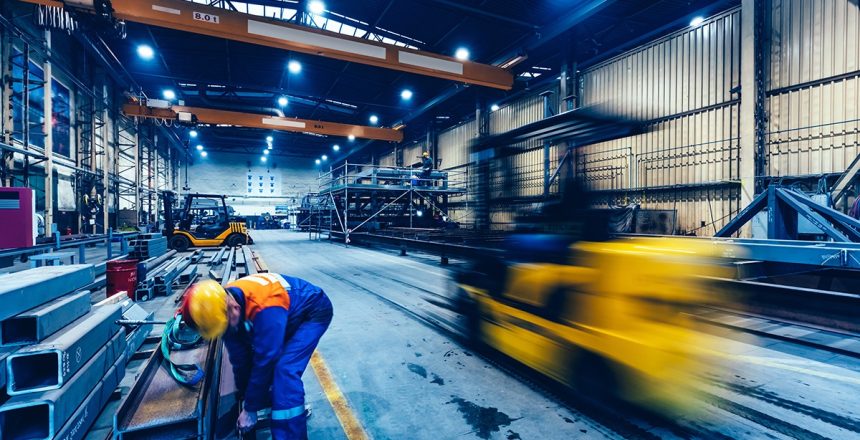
(202, 221)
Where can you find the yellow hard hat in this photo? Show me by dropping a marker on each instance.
(205, 309)
(426, 154)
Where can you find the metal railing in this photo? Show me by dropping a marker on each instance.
(356, 176)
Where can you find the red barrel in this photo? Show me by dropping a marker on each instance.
(121, 276)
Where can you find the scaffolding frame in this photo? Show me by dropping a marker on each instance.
(358, 194)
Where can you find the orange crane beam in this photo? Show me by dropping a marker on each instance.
(251, 120)
(221, 23)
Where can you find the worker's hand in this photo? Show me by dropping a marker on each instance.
(246, 421)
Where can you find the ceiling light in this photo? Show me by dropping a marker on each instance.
(419, 213)
(351, 137)
(269, 147)
(169, 95)
(697, 21)
(145, 51)
(263, 159)
(336, 148)
(406, 94)
(192, 133)
(266, 152)
(269, 139)
(324, 158)
(199, 147)
(294, 66)
(204, 154)
(462, 54)
(494, 108)
(283, 101)
(319, 161)
(374, 119)
(316, 7)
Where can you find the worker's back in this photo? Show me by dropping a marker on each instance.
(261, 289)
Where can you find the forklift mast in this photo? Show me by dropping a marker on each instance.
(168, 200)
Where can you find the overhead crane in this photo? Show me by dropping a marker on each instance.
(236, 26)
(253, 120)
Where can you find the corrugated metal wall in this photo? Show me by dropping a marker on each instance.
(813, 86)
(453, 145)
(683, 84)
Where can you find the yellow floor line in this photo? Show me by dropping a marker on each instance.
(348, 421)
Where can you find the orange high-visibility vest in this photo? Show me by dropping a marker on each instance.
(263, 290)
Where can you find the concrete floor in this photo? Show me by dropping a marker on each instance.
(404, 378)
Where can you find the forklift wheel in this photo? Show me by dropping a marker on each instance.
(180, 243)
(234, 240)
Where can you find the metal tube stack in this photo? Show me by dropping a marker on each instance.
(60, 357)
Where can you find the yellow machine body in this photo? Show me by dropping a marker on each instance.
(620, 305)
(234, 227)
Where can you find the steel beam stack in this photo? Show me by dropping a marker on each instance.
(61, 358)
(148, 246)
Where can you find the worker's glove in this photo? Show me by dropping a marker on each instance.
(247, 420)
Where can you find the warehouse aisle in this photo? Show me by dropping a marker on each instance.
(401, 378)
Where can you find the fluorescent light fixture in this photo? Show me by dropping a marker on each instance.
(352, 138)
(494, 108)
(266, 152)
(319, 161)
(199, 147)
(269, 139)
(697, 21)
(169, 95)
(283, 101)
(269, 147)
(336, 147)
(294, 66)
(263, 159)
(316, 7)
(374, 119)
(145, 52)
(192, 133)
(324, 158)
(406, 95)
(462, 54)
(204, 154)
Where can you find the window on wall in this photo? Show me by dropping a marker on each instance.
(61, 112)
(36, 100)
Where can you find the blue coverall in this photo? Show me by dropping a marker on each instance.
(270, 354)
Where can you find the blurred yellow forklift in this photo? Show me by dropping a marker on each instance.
(202, 221)
(608, 318)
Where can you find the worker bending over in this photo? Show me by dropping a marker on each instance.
(271, 325)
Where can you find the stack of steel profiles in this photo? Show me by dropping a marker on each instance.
(145, 266)
(148, 246)
(42, 415)
(165, 279)
(38, 323)
(51, 363)
(22, 291)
